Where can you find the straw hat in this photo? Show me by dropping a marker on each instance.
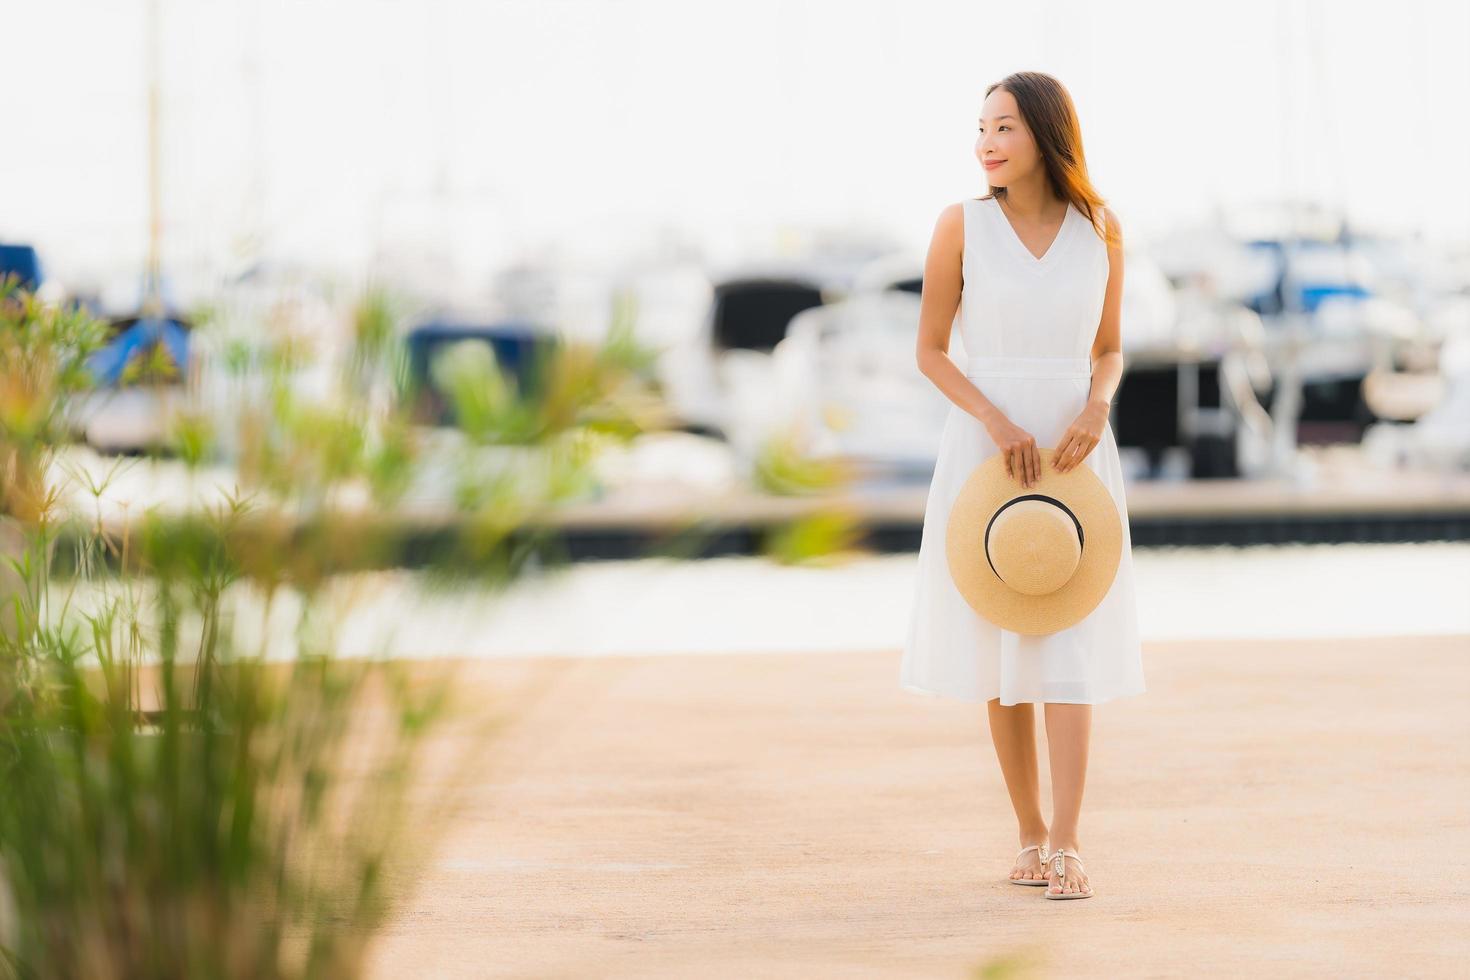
(1038, 559)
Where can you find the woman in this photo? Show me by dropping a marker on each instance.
(1037, 287)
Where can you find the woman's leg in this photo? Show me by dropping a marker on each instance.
(1068, 731)
(1013, 731)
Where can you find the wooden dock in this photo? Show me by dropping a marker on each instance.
(1344, 500)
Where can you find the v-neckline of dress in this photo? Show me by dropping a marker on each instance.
(1035, 261)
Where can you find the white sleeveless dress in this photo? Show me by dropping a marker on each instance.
(1028, 326)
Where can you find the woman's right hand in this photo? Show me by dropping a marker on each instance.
(1018, 446)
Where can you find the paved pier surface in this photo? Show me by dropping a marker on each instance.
(1293, 808)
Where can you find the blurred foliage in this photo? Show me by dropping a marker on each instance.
(1027, 963)
(784, 467)
(374, 327)
(153, 366)
(43, 353)
(176, 805)
(823, 536)
(573, 385)
(193, 435)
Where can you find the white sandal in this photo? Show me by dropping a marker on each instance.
(1060, 867)
(1041, 850)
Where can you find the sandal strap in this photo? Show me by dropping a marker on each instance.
(1060, 865)
(1039, 848)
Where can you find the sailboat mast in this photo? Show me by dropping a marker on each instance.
(152, 299)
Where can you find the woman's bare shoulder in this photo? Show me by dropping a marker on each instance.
(949, 227)
(952, 213)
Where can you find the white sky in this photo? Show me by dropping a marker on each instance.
(494, 127)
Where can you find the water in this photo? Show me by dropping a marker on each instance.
(749, 605)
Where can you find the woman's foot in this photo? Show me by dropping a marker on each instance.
(1030, 863)
(1065, 874)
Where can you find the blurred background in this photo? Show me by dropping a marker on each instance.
(746, 191)
(399, 401)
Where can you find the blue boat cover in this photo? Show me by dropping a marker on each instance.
(107, 365)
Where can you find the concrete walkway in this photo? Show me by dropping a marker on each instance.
(1297, 808)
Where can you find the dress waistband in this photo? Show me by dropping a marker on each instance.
(1013, 366)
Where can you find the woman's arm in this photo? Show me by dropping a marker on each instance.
(1086, 431)
(938, 303)
(1107, 348)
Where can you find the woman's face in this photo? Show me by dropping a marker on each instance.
(1004, 145)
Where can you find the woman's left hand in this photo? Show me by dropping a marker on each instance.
(1081, 438)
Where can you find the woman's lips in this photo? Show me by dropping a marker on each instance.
(992, 164)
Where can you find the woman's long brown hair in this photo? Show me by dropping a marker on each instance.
(1047, 108)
